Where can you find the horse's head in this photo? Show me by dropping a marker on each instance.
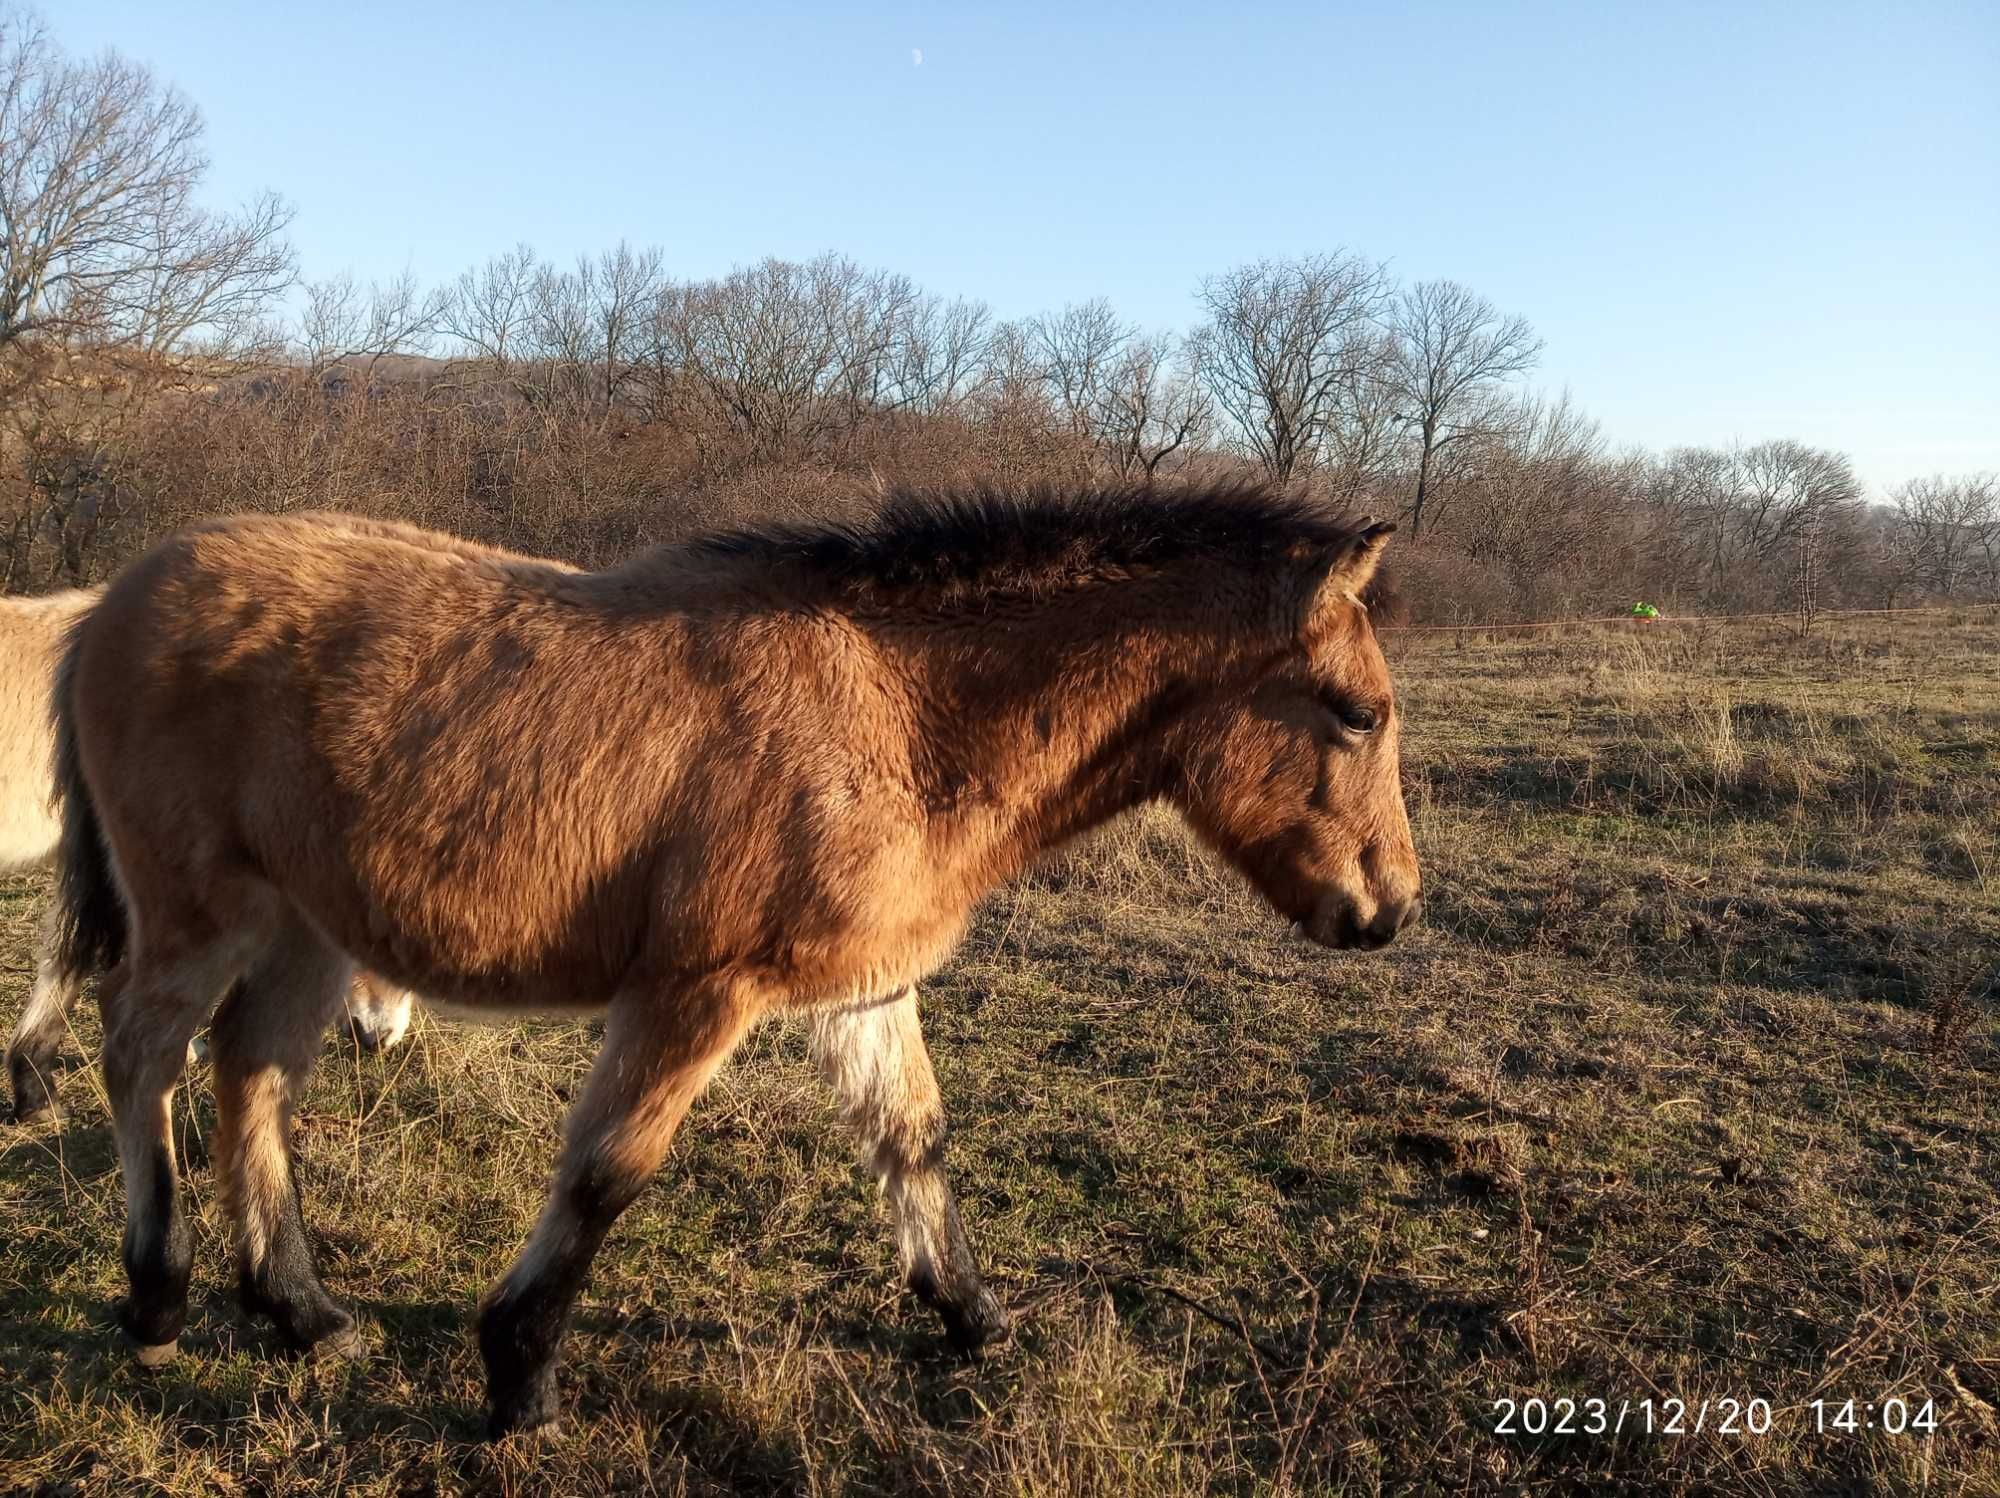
(1294, 774)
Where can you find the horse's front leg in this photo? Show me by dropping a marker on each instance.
(660, 1048)
(873, 1056)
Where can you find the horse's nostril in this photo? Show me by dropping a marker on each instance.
(1384, 928)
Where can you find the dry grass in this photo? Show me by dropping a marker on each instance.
(1686, 1089)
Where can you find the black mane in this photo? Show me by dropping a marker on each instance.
(991, 540)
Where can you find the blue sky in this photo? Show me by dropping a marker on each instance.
(1727, 221)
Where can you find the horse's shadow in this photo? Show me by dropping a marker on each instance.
(56, 1340)
(414, 1383)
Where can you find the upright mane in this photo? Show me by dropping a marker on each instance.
(959, 544)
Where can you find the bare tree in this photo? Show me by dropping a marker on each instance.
(1010, 372)
(1078, 349)
(1286, 345)
(1951, 532)
(1987, 535)
(487, 309)
(1363, 444)
(101, 241)
(788, 355)
(870, 312)
(1451, 351)
(115, 285)
(1153, 404)
(570, 343)
(935, 357)
(1535, 487)
(1741, 518)
(1809, 566)
(1785, 491)
(560, 377)
(341, 325)
(623, 287)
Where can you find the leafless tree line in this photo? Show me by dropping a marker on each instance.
(159, 360)
(1945, 540)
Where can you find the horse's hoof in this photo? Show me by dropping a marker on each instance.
(346, 1345)
(331, 1335)
(158, 1355)
(34, 1097)
(983, 1322)
(522, 1416)
(154, 1336)
(498, 1429)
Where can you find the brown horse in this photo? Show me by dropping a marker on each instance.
(768, 771)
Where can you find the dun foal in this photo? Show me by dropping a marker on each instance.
(769, 771)
(31, 636)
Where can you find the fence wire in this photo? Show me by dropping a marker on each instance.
(1653, 621)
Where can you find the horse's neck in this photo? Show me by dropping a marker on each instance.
(1059, 718)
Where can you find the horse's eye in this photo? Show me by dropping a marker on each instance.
(1359, 719)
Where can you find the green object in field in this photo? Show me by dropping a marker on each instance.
(1644, 611)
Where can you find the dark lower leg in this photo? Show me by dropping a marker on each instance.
(659, 1051)
(526, 1318)
(31, 1072)
(140, 1072)
(158, 1254)
(282, 1283)
(938, 1263)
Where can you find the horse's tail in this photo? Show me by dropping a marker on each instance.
(90, 924)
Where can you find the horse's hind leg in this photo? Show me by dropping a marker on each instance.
(659, 1051)
(873, 1056)
(151, 1007)
(263, 1043)
(37, 1038)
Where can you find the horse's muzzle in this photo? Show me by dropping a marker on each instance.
(1338, 925)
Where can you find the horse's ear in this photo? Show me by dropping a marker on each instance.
(1342, 573)
(1357, 570)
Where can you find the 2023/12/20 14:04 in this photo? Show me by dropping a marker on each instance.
(1564, 1416)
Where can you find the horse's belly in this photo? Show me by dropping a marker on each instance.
(472, 955)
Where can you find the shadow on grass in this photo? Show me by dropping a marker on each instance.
(37, 1157)
(52, 1340)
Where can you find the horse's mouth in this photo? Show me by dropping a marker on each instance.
(1347, 941)
(1339, 931)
